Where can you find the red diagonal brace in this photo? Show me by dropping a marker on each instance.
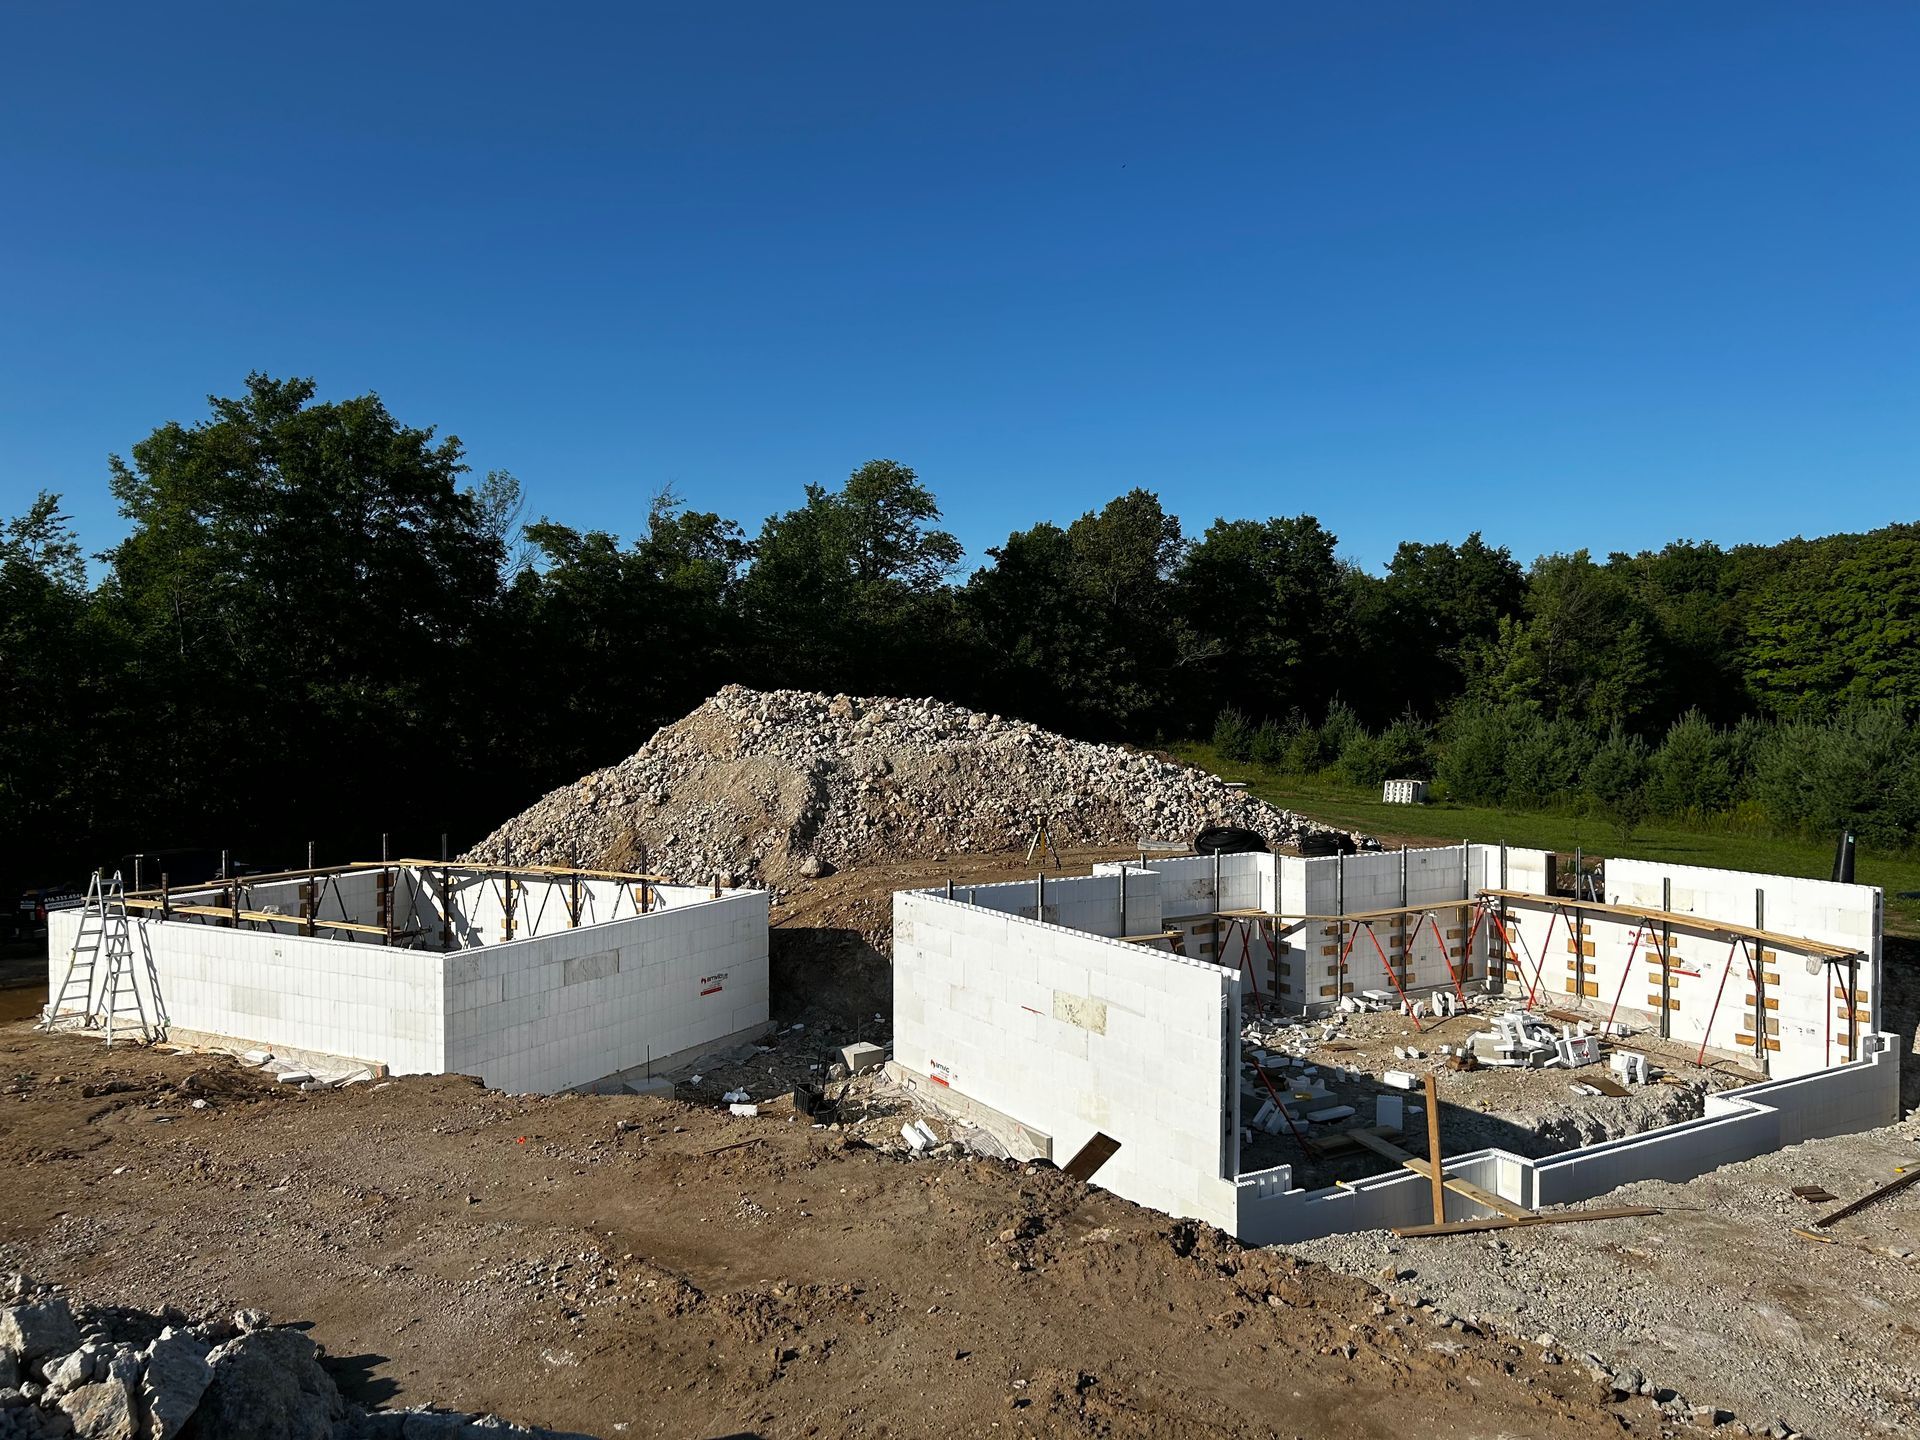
(1441, 940)
(1632, 950)
(1740, 945)
(1391, 977)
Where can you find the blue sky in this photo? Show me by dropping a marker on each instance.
(1573, 275)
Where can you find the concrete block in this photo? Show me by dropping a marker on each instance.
(1389, 1112)
(862, 1056)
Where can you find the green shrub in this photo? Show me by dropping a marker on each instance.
(1473, 762)
(1233, 735)
(1269, 746)
(1545, 761)
(1616, 781)
(1693, 772)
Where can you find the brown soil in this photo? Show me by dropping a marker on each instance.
(697, 1274)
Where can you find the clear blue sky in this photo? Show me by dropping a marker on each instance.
(1572, 274)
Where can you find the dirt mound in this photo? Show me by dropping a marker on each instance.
(771, 785)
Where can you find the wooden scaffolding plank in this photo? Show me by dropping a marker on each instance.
(1723, 929)
(1563, 1217)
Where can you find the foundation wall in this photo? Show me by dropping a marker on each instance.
(567, 1008)
(1738, 1125)
(1075, 1034)
(541, 1013)
(1789, 1013)
(335, 997)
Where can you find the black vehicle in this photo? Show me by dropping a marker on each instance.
(30, 916)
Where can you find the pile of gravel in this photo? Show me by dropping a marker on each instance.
(769, 785)
(109, 1373)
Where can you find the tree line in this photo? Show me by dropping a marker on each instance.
(321, 625)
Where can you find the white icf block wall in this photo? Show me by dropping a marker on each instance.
(1074, 1033)
(550, 1012)
(1737, 1125)
(542, 1013)
(1787, 1012)
(1000, 1006)
(296, 992)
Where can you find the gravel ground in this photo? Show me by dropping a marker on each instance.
(1716, 1297)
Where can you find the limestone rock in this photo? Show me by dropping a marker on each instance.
(177, 1375)
(268, 1385)
(43, 1327)
(106, 1409)
(766, 784)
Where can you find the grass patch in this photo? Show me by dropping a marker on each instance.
(1446, 822)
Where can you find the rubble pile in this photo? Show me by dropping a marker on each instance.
(110, 1373)
(767, 786)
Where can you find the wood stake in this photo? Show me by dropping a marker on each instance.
(1433, 1152)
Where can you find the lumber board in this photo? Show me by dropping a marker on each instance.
(259, 917)
(1872, 1197)
(1799, 944)
(1563, 1217)
(1465, 1189)
(1088, 1159)
(459, 868)
(1341, 1140)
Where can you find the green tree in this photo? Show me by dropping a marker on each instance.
(1693, 772)
(1436, 605)
(625, 638)
(1263, 603)
(1584, 650)
(306, 591)
(1077, 627)
(848, 590)
(1841, 625)
(1616, 781)
(52, 670)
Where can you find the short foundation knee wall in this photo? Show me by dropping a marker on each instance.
(1737, 1125)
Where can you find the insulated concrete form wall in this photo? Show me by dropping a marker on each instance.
(1074, 1033)
(1411, 953)
(1088, 903)
(1796, 1017)
(1737, 1125)
(1787, 1013)
(565, 1009)
(334, 997)
(542, 1013)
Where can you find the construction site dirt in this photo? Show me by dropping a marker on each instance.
(620, 1265)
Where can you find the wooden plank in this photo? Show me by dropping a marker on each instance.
(1872, 1197)
(459, 868)
(1815, 1194)
(1433, 1151)
(1341, 1140)
(1564, 1217)
(1724, 929)
(1149, 939)
(262, 917)
(1371, 1140)
(1604, 1085)
(1466, 1189)
(1091, 1156)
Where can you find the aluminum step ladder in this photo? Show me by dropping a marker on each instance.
(100, 976)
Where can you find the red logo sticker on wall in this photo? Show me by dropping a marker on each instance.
(713, 984)
(938, 1073)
